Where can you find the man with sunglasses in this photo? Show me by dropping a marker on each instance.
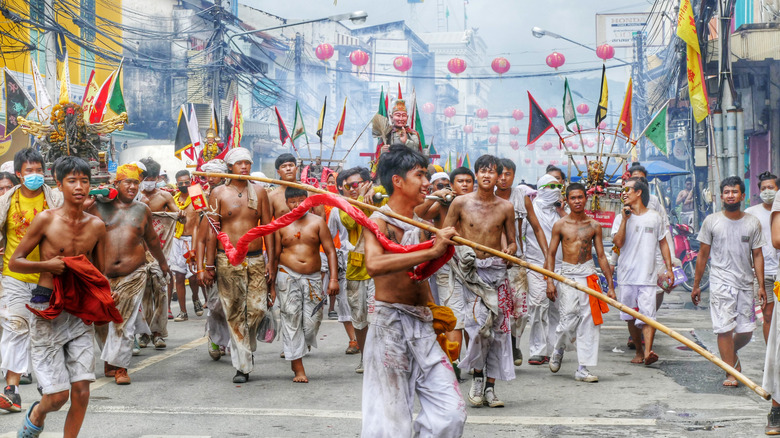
(637, 232)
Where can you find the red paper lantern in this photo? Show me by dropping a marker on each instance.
(456, 66)
(590, 143)
(500, 65)
(517, 114)
(358, 58)
(559, 128)
(574, 147)
(565, 162)
(514, 130)
(583, 108)
(527, 161)
(514, 144)
(605, 52)
(547, 146)
(428, 108)
(531, 146)
(324, 51)
(540, 162)
(570, 144)
(602, 125)
(482, 113)
(495, 129)
(449, 112)
(555, 60)
(553, 162)
(579, 162)
(402, 63)
(551, 112)
(607, 141)
(493, 139)
(468, 129)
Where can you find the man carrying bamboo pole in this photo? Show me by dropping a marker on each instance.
(772, 363)
(402, 356)
(636, 233)
(484, 218)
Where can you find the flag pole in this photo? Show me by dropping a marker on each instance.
(353, 144)
(563, 143)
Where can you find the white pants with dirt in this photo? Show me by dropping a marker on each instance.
(342, 303)
(543, 315)
(451, 295)
(772, 362)
(732, 308)
(299, 295)
(576, 321)
(216, 324)
(15, 321)
(638, 297)
(518, 281)
(402, 358)
(360, 295)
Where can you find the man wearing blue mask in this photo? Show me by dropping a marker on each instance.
(18, 207)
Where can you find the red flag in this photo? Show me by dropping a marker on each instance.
(283, 134)
(98, 109)
(626, 120)
(399, 91)
(340, 126)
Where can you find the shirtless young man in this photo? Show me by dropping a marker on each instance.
(580, 315)
(181, 257)
(287, 168)
(299, 283)
(63, 347)
(128, 230)
(243, 289)
(402, 357)
(156, 198)
(484, 218)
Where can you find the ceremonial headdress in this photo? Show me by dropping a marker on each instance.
(211, 133)
(238, 154)
(214, 166)
(440, 175)
(128, 171)
(400, 106)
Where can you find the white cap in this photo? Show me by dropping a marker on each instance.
(260, 175)
(440, 175)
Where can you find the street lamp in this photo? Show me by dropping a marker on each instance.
(538, 32)
(357, 17)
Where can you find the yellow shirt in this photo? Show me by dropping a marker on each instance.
(356, 265)
(20, 215)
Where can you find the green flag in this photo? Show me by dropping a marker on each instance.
(656, 130)
(418, 126)
(569, 115)
(116, 102)
(382, 107)
(298, 128)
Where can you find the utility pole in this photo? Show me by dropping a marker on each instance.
(298, 66)
(638, 75)
(50, 38)
(219, 56)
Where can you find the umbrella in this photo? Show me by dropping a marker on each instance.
(655, 169)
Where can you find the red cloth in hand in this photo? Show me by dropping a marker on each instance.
(237, 254)
(82, 291)
(597, 307)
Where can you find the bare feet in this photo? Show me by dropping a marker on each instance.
(651, 358)
(730, 383)
(638, 359)
(300, 373)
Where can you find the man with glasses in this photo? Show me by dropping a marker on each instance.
(637, 232)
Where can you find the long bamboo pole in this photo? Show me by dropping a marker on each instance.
(614, 303)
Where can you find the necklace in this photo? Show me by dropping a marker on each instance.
(241, 193)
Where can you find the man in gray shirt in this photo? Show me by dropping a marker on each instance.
(734, 239)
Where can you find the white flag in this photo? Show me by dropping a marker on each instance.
(42, 100)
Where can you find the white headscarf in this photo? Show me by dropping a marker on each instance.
(440, 175)
(8, 166)
(238, 154)
(545, 195)
(215, 166)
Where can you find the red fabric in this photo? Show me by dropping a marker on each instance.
(597, 307)
(81, 291)
(237, 254)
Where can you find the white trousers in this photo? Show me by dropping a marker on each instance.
(15, 320)
(402, 358)
(216, 324)
(576, 322)
(451, 295)
(772, 362)
(118, 348)
(298, 295)
(543, 315)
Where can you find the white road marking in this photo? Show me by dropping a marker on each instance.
(356, 415)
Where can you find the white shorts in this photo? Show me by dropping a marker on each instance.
(769, 286)
(181, 246)
(731, 309)
(638, 297)
(63, 351)
(15, 321)
(360, 295)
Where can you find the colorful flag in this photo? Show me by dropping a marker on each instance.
(697, 88)
(569, 115)
(90, 93)
(298, 128)
(18, 102)
(467, 161)
(213, 122)
(116, 101)
(538, 122)
(340, 126)
(382, 111)
(43, 102)
(99, 107)
(656, 130)
(321, 122)
(626, 122)
(182, 140)
(283, 134)
(417, 126)
(686, 25)
(448, 163)
(192, 127)
(65, 81)
(459, 162)
(237, 124)
(601, 110)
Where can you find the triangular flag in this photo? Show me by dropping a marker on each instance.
(340, 126)
(322, 119)
(299, 130)
(65, 81)
(447, 166)
(382, 106)
(116, 101)
(399, 92)
(601, 110)
(43, 102)
(283, 134)
(98, 109)
(467, 161)
(656, 130)
(569, 115)
(459, 162)
(18, 102)
(213, 122)
(625, 124)
(182, 141)
(90, 94)
(192, 126)
(227, 127)
(417, 126)
(686, 25)
(538, 122)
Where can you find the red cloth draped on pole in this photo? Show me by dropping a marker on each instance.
(82, 291)
(237, 254)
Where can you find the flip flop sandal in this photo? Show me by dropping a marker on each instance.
(28, 429)
(730, 383)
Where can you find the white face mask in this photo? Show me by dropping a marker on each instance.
(768, 196)
(148, 186)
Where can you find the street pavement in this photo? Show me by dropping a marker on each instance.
(181, 392)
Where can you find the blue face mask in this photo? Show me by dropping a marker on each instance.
(33, 181)
(160, 184)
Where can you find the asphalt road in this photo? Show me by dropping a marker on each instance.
(181, 392)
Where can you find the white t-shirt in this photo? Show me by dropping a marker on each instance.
(775, 212)
(770, 253)
(636, 263)
(732, 243)
(546, 220)
(517, 198)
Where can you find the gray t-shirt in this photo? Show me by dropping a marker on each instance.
(732, 243)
